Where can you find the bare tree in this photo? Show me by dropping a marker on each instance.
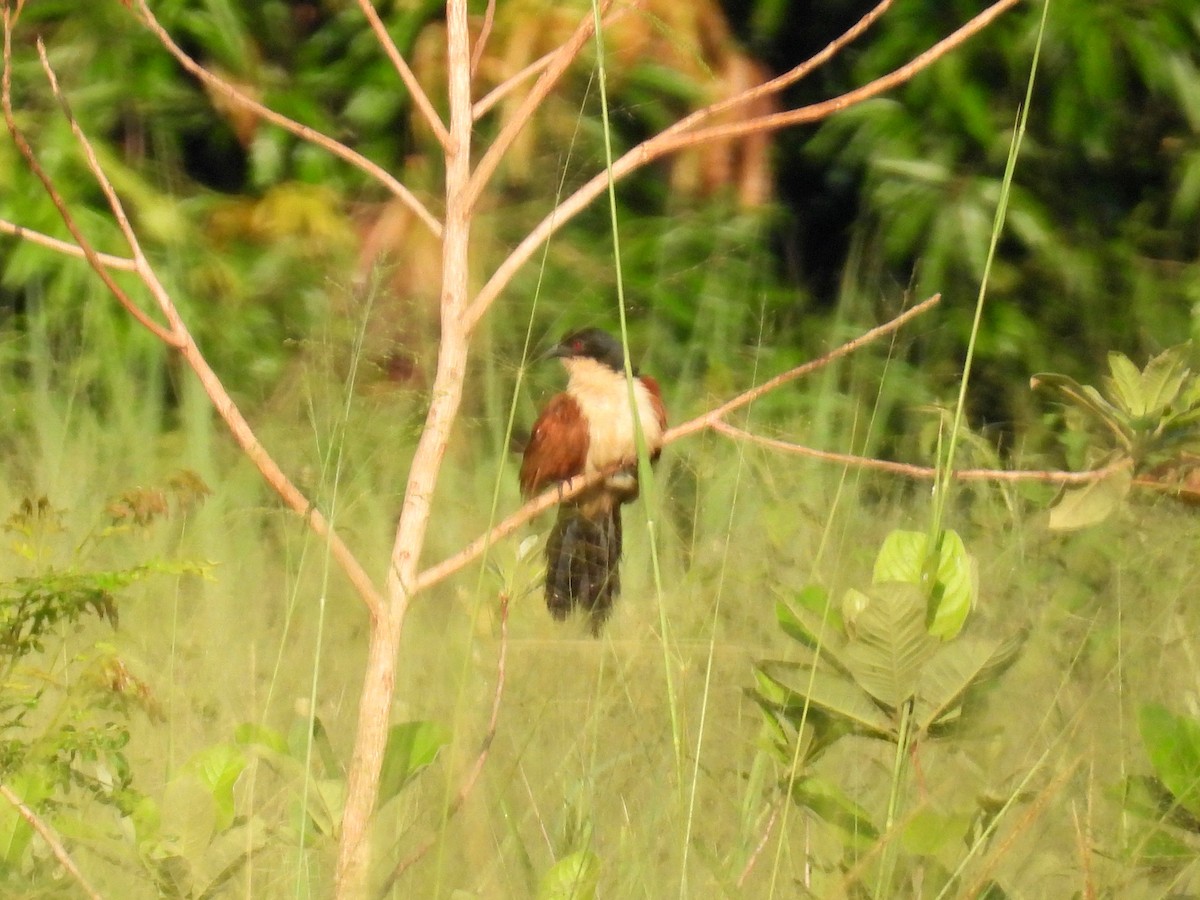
(388, 599)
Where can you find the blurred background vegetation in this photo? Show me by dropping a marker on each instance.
(299, 275)
(771, 246)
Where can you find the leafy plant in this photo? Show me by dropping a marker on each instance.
(888, 663)
(1168, 802)
(64, 712)
(1148, 421)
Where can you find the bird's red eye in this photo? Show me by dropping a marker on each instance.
(577, 346)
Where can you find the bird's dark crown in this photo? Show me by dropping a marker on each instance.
(592, 343)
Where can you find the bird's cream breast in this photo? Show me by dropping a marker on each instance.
(603, 397)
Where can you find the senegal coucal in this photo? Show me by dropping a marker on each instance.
(588, 428)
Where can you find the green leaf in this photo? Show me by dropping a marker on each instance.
(1163, 380)
(1091, 503)
(411, 746)
(927, 832)
(830, 693)
(955, 669)
(574, 877)
(1088, 399)
(891, 644)
(902, 558)
(251, 734)
(190, 814)
(1173, 744)
(218, 768)
(1125, 385)
(825, 799)
(816, 630)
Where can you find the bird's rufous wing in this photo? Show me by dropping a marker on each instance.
(558, 448)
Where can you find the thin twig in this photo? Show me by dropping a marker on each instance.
(908, 470)
(468, 784)
(179, 337)
(51, 839)
(1036, 807)
(337, 148)
(489, 17)
(502, 90)
(745, 398)
(406, 74)
(574, 486)
(82, 242)
(762, 844)
(563, 58)
(815, 111)
(787, 79)
(66, 248)
(670, 142)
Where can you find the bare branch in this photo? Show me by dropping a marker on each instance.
(489, 16)
(502, 90)
(66, 248)
(747, 397)
(51, 839)
(817, 111)
(82, 242)
(303, 132)
(569, 489)
(907, 470)
(406, 75)
(777, 84)
(379, 680)
(671, 141)
(179, 337)
(562, 59)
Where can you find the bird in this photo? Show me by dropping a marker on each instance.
(590, 428)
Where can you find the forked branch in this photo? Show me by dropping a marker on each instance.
(420, 98)
(176, 333)
(241, 98)
(671, 140)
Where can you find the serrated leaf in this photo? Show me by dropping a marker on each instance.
(1091, 503)
(411, 746)
(1173, 745)
(891, 644)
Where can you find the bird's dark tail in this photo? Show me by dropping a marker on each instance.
(582, 557)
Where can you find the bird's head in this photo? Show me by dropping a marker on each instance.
(590, 344)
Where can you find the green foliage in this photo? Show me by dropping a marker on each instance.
(905, 558)
(411, 747)
(1148, 419)
(889, 664)
(1166, 805)
(1100, 249)
(64, 713)
(574, 877)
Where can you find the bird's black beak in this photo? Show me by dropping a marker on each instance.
(558, 351)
